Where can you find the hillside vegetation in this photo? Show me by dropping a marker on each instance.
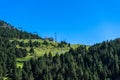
(27, 56)
(37, 47)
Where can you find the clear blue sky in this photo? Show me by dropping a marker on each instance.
(76, 21)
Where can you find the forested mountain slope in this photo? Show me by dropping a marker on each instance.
(98, 62)
(9, 31)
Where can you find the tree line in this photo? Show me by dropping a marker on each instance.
(98, 62)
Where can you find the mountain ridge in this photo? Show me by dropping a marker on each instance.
(6, 25)
(9, 31)
(23, 56)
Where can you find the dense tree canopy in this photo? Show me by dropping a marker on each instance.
(98, 62)
(8, 31)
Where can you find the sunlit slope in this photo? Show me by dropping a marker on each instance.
(42, 47)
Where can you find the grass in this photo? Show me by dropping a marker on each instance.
(28, 57)
(40, 51)
(19, 64)
(20, 61)
(5, 78)
(74, 46)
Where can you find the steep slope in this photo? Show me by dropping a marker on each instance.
(98, 62)
(17, 45)
(9, 31)
(5, 24)
(28, 45)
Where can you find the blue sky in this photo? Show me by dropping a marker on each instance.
(75, 21)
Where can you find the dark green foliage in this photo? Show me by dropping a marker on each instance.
(19, 52)
(50, 39)
(8, 31)
(45, 42)
(31, 50)
(98, 62)
(23, 44)
(8, 59)
(63, 44)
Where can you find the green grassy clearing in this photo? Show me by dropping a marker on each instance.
(41, 50)
(19, 64)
